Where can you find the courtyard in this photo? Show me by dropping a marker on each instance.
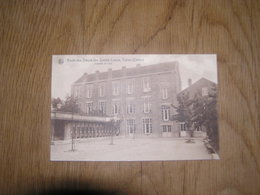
(129, 149)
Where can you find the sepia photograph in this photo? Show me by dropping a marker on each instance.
(134, 107)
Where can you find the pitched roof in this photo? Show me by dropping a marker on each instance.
(138, 70)
(197, 85)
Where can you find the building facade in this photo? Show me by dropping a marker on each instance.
(141, 97)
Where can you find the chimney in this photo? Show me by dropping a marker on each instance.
(189, 82)
(124, 70)
(97, 74)
(110, 73)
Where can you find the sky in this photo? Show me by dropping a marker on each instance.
(66, 69)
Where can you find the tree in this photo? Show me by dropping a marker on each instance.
(200, 111)
(70, 105)
(114, 125)
(205, 114)
(211, 119)
(184, 111)
(97, 113)
(55, 102)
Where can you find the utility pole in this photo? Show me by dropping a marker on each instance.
(134, 131)
(73, 126)
(113, 126)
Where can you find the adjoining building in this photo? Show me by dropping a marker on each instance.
(141, 97)
(203, 87)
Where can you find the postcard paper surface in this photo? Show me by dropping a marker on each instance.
(134, 108)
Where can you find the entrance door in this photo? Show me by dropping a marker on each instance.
(167, 130)
(183, 132)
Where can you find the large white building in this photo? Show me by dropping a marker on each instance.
(141, 97)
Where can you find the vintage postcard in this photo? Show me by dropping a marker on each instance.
(134, 108)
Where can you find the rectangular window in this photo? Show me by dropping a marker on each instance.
(165, 113)
(102, 107)
(79, 106)
(131, 126)
(115, 88)
(77, 91)
(89, 90)
(183, 126)
(89, 107)
(147, 104)
(130, 86)
(147, 126)
(164, 91)
(130, 107)
(167, 128)
(204, 91)
(116, 107)
(146, 84)
(101, 90)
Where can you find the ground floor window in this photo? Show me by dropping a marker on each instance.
(130, 126)
(183, 127)
(165, 113)
(166, 128)
(147, 126)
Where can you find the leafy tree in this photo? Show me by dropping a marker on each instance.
(97, 113)
(211, 119)
(70, 105)
(200, 111)
(184, 111)
(55, 102)
(205, 114)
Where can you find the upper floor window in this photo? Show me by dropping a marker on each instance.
(101, 90)
(102, 107)
(130, 86)
(130, 107)
(165, 113)
(115, 107)
(164, 91)
(146, 84)
(89, 90)
(147, 104)
(115, 88)
(77, 91)
(79, 106)
(204, 91)
(89, 107)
